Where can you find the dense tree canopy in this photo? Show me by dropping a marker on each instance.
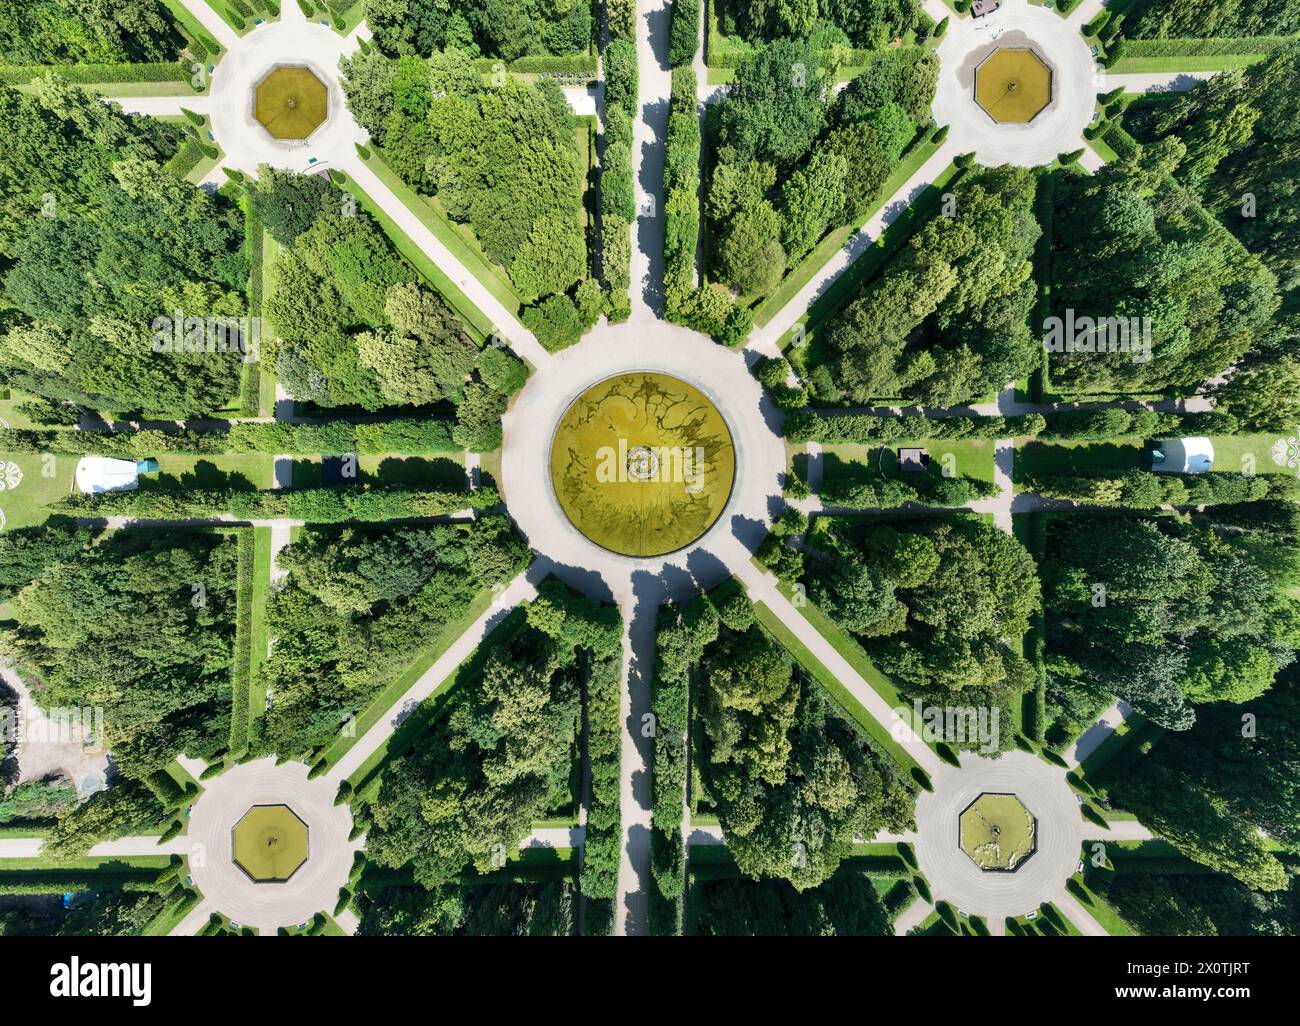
(1236, 138)
(354, 324)
(86, 32)
(948, 321)
(491, 28)
(865, 23)
(1206, 905)
(792, 782)
(846, 905)
(357, 604)
(500, 755)
(476, 909)
(1199, 19)
(795, 159)
(1170, 613)
(142, 626)
(1142, 248)
(479, 149)
(98, 240)
(934, 602)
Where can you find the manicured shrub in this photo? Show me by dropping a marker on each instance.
(620, 74)
(501, 370)
(554, 321)
(683, 32)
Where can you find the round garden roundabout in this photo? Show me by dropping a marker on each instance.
(630, 462)
(277, 100)
(1018, 86)
(269, 847)
(998, 837)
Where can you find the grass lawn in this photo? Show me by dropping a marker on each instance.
(241, 675)
(800, 276)
(305, 472)
(459, 239)
(244, 471)
(184, 779)
(226, 13)
(127, 90)
(1050, 922)
(477, 323)
(1127, 734)
(1241, 454)
(1209, 62)
(200, 171)
(181, 15)
(367, 775)
(136, 867)
(11, 416)
(490, 468)
(28, 483)
(851, 652)
(1115, 457)
(840, 695)
(414, 471)
(170, 917)
(266, 377)
(964, 457)
(1099, 908)
(350, 19)
(1103, 150)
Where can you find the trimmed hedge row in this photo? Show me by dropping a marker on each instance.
(578, 63)
(313, 505)
(241, 671)
(708, 307)
(617, 195)
(681, 191)
(62, 881)
(683, 32)
(186, 158)
(94, 74)
(603, 840)
(843, 490)
(682, 633)
(170, 794)
(1145, 489)
(1099, 425)
(1080, 425)
(417, 436)
(1119, 140)
(831, 428)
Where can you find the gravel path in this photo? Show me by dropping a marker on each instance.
(313, 888)
(953, 877)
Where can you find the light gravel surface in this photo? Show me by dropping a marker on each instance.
(1076, 81)
(313, 888)
(954, 878)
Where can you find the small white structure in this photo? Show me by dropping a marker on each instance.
(97, 474)
(1183, 455)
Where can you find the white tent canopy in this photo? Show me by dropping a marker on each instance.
(103, 474)
(1183, 455)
